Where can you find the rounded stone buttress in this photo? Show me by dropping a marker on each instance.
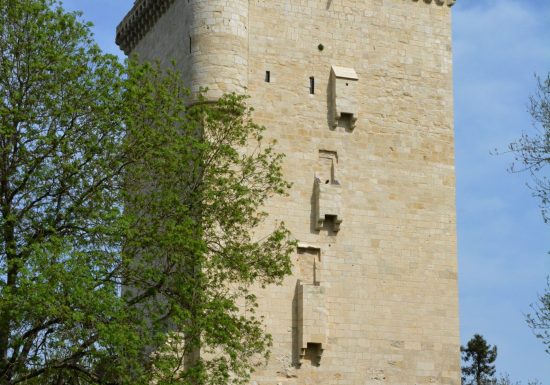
(218, 38)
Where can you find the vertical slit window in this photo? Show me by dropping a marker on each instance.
(311, 85)
(190, 44)
(268, 76)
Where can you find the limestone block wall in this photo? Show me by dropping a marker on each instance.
(389, 272)
(386, 278)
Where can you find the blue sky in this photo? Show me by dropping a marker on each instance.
(503, 243)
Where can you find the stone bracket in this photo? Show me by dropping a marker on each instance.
(343, 98)
(312, 318)
(328, 204)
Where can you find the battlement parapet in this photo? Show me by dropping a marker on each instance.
(139, 21)
(449, 3)
(145, 13)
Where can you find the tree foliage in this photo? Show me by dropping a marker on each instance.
(532, 152)
(478, 358)
(504, 379)
(199, 177)
(60, 135)
(128, 217)
(539, 319)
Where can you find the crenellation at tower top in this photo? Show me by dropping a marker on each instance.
(139, 21)
(145, 13)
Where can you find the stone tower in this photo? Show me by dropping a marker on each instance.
(358, 94)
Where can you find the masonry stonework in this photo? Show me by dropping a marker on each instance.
(373, 297)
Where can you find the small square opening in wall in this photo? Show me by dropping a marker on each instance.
(313, 353)
(268, 76)
(346, 121)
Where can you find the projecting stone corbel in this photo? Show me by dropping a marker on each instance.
(328, 203)
(312, 317)
(344, 106)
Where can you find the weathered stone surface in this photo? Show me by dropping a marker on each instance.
(389, 275)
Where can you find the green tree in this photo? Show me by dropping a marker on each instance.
(532, 151)
(199, 177)
(504, 379)
(127, 216)
(478, 358)
(539, 319)
(60, 135)
(532, 154)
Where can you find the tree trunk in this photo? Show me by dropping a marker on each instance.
(11, 286)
